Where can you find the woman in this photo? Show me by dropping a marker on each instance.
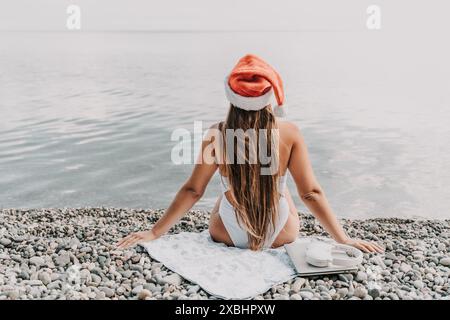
(255, 209)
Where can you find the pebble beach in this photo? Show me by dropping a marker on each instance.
(71, 254)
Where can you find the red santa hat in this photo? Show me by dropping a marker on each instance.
(252, 84)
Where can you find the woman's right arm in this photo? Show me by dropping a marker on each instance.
(314, 197)
(191, 191)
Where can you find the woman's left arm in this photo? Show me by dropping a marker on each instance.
(314, 197)
(191, 191)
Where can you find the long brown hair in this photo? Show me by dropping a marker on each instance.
(254, 196)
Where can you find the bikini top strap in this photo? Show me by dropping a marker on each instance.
(282, 183)
(223, 183)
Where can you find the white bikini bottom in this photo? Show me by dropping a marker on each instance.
(239, 235)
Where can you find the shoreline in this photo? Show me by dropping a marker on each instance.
(38, 248)
(207, 208)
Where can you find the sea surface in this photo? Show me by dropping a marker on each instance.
(86, 118)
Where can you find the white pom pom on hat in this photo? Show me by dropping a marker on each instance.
(252, 84)
(280, 111)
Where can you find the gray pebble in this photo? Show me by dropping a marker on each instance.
(405, 267)
(45, 278)
(193, 289)
(35, 292)
(393, 296)
(342, 292)
(63, 259)
(120, 290)
(340, 283)
(360, 292)
(34, 282)
(100, 295)
(143, 294)
(173, 279)
(306, 295)
(136, 267)
(37, 261)
(137, 289)
(127, 273)
(347, 277)
(387, 262)
(296, 296)
(5, 242)
(152, 287)
(108, 291)
(13, 294)
(325, 296)
(85, 249)
(361, 276)
(445, 261)
(53, 285)
(95, 278)
(4, 256)
(298, 284)
(101, 260)
(374, 292)
(176, 295)
(24, 275)
(418, 284)
(322, 288)
(390, 256)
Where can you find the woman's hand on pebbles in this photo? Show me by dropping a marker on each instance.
(365, 246)
(135, 238)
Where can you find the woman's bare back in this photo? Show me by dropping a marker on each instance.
(291, 228)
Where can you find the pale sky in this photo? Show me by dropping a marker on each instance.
(210, 15)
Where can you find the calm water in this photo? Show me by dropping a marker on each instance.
(86, 118)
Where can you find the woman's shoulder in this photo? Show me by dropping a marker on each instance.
(288, 127)
(290, 133)
(217, 125)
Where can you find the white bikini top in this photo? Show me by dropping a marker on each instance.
(225, 187)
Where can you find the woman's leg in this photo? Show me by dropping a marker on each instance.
(293, 210)
(216, 227)
(288, 234)
(291, 229)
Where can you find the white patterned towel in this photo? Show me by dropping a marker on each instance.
(222, 271)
